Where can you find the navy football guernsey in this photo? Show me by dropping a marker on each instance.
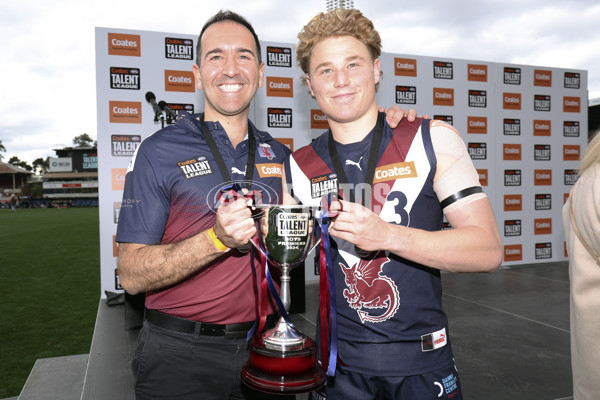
(171, 191)
(390, 316)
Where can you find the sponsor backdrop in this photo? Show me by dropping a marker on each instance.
(525, 127)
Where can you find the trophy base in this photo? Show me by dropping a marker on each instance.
(283, 372)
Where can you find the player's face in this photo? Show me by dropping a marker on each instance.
(229, 72)
(342, 78)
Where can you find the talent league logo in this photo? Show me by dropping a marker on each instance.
(194, 167)
(125, 78)
(543, 202)
(477, 72)
(572, 80)
(543, 250)
(177, 108)
(405, 67)
(571, 128)
(541, 152)
(443, 70)
(406, 95)
(368, 289)
(541, 102)
(512, 227)
(124, 145)
(122, 44)
(571, 176)
(279, 117)
(279, 56)
(179, 49)
(446, 118)
(512, 177)
(512, 76)
(512, 127)
(477, 151)
(477, 98)
(323, 185)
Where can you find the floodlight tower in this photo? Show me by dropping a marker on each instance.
(333, 4)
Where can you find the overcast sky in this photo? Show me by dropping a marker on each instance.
(47, 55)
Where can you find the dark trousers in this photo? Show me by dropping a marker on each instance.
(177, 366)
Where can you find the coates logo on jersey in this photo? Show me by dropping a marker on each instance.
(395, 171)
(512, 227)
(443, 97)
(513, 252)
(572, 80)
(543, 202)
(179, 49)
(318, 120)
(405, 67)
(571, 152)
(512, 127)
(512, 177)
(446, 118)
(272, 170)
(543, 251)
(372, 294)
(194, 167)
(443, 70)
(542, 177)
(124, 145)
(118, 178)
(541, 152)
(125, 112)
(179, 81)
(511, 151)
(483, 176)
(541, 102)
(571, 176)
(477, 125)
(542, 78)
(125, 78)
(265, 151)
(571, 128)
(477, 151)
(406, 95)
(571, 104)
(279, 57)
(542, 127)
(122, 44)
(279, 117)
(511, 101)
(512, 76)
(542, 226)
(477, 72)
(280, 87)
(513, 202)
(323, 185)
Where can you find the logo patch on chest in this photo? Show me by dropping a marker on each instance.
(323, 185)
(194, 167)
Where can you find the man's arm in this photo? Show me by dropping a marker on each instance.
(151, 267)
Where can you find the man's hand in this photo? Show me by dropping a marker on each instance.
(394, 115)
(234, 226)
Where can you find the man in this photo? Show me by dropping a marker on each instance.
(387, 244)
(193, 262)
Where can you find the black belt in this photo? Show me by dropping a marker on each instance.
(231, 331)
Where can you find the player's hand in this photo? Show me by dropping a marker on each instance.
(394, 115)
(359, 225)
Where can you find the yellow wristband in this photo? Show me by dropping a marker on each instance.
(218, 244)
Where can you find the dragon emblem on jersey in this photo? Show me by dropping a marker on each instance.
(368, 289)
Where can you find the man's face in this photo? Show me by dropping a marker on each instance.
(229, 73)
(342, 78)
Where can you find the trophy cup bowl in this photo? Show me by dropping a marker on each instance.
(283, 360)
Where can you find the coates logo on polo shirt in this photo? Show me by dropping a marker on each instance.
(179, 81)
(543, 250)
(125, 112)
(477, 72)
(125, 78)
(405, 67)
(511, 101)
(271, 170)
(513, 202)
(279, 56)
(123, 44)
(512, 126)
(279, 117)
(571, 128)
(513, 252)
(542, 177)
(542, 78)
(542, 102)
(318, 120)
(571, 152)
(572, 80)
(194, 167)
(512, 76)
(542, 127)
(443, 97)
(179, 49)
(477, 151)
(280, 87)
(571, 104)
(443, 70)
(390, 172)
(406, 95)
(477, 125)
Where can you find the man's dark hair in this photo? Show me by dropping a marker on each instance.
(222, 16)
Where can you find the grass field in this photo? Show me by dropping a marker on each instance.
(49, 288)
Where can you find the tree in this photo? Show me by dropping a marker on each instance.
(2, 149)
(14, 160)
(83, 140)
(40, 166)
